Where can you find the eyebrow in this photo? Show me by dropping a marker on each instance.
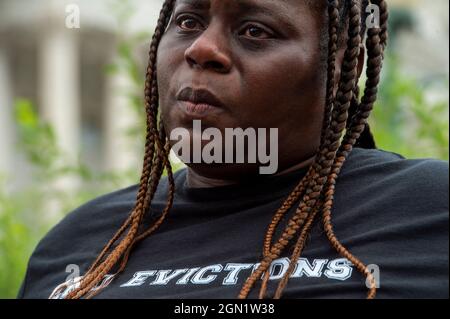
(196, 4)
(279, 11)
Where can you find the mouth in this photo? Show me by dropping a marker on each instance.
(198, 103)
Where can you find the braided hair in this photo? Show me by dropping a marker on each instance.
(344, 127)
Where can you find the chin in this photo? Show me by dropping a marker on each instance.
(232, 172)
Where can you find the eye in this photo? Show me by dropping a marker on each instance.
(189, 24)
(256, 32)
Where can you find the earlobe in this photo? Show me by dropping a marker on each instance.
(337, 74)
(361, 60)
(340, 58)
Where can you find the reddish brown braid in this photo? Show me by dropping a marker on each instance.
(334, 22)
(325, 157)
(155, 159)
(334, 19)
(315, 191)
(376, 42)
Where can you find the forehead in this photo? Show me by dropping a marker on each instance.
(286, 7)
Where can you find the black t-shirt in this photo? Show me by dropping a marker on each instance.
(388, 211)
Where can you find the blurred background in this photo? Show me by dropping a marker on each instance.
(71, 118)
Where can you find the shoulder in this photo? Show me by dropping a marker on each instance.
(383, 190)
(94, 215)
(394, 213)
(392, 183)
(75, 240)
(395, 171)
(81, 235)
(102, 215)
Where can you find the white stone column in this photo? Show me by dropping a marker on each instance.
(6, 115)
(59, 86)
(59, 93)
(119, 152)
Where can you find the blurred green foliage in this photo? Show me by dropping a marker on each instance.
(25, 216)
(411, 118)
(406, 120)
(17, 239)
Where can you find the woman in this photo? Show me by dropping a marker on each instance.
(336, 218)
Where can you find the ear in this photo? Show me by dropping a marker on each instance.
(361, 59)
(340, 57)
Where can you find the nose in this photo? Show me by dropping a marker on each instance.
(208, 52)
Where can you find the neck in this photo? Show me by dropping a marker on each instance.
(195, 180)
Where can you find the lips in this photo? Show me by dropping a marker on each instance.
(199, 96)
(198, 103)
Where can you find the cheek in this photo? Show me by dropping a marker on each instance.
(289, 86)
(166, 64)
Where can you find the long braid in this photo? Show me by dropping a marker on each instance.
(375, 43)
(324, 161)
(298, 248)
(171, 190)
(358, 125)
(287, 205)
(375, 49)
(98, 271)
(161, 163)
(334, 19)
(366, 139)
(171, 194)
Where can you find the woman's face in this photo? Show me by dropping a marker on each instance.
(259, 59)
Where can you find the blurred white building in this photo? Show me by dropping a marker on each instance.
(424, 49)
(62, 71)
